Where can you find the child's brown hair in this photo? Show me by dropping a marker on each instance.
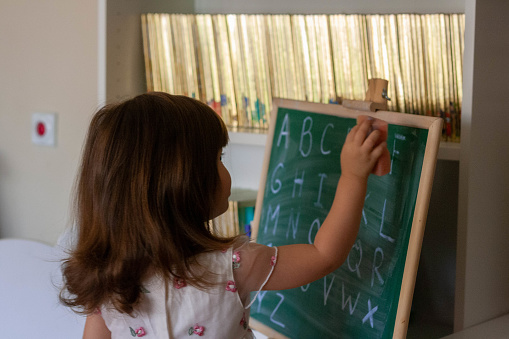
(144, 197)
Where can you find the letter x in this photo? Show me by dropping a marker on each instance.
(370, 314)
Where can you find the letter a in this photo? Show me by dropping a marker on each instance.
(284, 132)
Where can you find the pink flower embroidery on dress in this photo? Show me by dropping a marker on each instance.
(243, 321)
(179, 283)
(230, 286)
(236, 259)
(236, 256)
(197, 329)
(273, 261)
(139, 332)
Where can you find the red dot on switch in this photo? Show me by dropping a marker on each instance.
(41, 129)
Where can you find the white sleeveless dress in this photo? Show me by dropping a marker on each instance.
(177, 310)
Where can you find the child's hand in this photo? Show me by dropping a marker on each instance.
(383, 165)
(361, 150)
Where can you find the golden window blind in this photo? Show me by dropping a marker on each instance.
(237, 63)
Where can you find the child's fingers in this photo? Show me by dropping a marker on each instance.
(372, 140)
(363, 130)
(379, 149)
(351, 135)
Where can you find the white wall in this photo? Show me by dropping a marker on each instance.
(52, 59)
(48, 63)
(482, 279)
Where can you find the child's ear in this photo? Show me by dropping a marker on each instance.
(383, 165)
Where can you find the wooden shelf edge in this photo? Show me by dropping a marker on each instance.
(449, 151)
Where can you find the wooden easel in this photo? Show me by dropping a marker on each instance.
(375, 105)
(376, 97)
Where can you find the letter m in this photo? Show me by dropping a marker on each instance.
(271, 216)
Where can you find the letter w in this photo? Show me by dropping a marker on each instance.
(349, 300)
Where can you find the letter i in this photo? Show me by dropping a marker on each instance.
(317, 202)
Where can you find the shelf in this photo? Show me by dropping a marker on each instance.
(248, 138)
(243, 195)
(447, 150)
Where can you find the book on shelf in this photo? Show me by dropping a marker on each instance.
(237, 63)
(239, 216)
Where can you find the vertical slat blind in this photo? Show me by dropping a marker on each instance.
(237, 63)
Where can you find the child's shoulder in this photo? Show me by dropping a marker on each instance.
(253, 256)
(244, 243)
(241, 241)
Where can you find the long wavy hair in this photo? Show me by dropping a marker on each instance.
(143, 199)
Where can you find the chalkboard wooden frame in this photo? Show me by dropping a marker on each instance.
(434, 127)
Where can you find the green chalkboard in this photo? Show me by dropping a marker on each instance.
(301, 171)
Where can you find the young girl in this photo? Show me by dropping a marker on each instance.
(146, 263)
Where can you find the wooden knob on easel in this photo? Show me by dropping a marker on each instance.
(377, 93)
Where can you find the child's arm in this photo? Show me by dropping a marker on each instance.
(300, 264)
(95, 328)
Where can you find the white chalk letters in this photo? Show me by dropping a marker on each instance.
(365, 265)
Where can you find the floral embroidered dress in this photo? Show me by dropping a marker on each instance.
(178, 310)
